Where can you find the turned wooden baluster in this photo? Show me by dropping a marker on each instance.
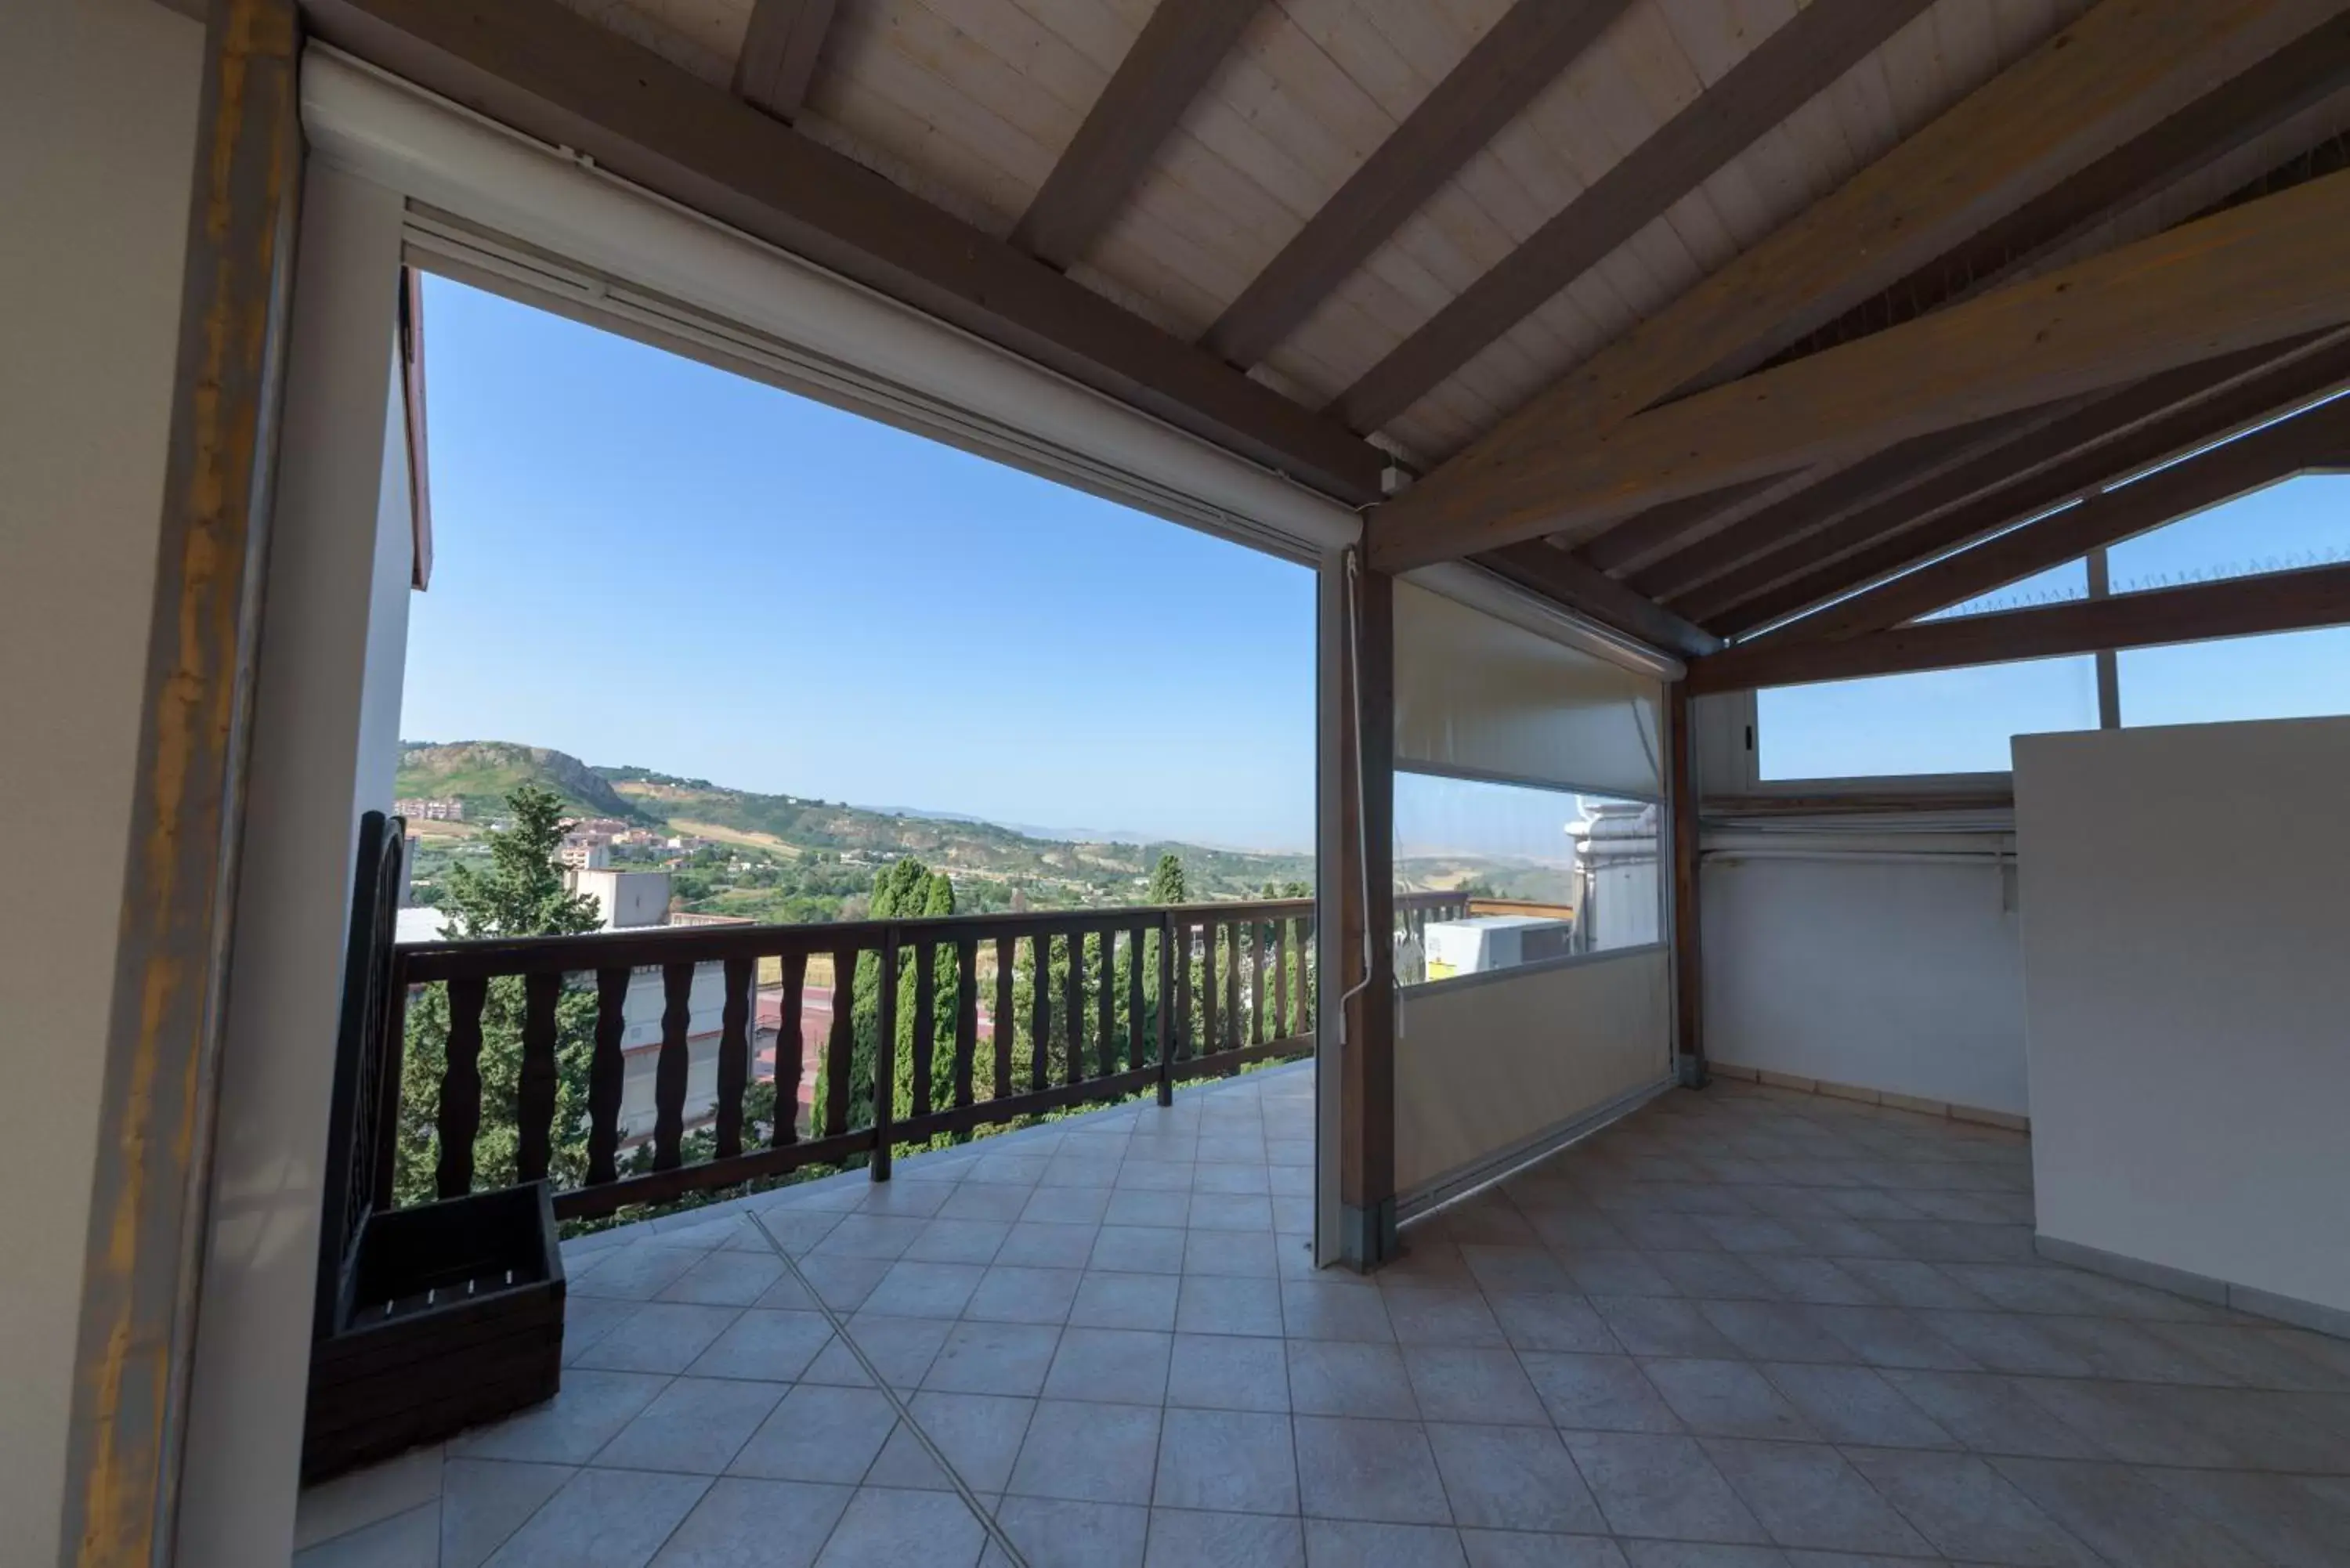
(926, 1005)
(733, 1057)
(536, 1092)
(671, 1067)
(1004, 1025)
(840, 1045)
(606, 1072)
(1073, 1007)
(966, 1024)
(788, 1050)
(460, 1088)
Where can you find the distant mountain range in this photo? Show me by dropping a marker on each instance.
(1037, 830)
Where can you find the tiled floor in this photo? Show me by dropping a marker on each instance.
(1742, 1327)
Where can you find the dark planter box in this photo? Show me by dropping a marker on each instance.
(450, 1314)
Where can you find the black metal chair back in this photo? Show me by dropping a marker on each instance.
(366, 1064)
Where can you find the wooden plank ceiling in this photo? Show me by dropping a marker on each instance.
(1692, 314)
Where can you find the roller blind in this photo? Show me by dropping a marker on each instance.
(1480, 697)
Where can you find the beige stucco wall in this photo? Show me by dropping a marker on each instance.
(97, 113)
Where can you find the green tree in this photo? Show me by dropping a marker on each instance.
(906, 889)
(1166, 880)
(520, 894)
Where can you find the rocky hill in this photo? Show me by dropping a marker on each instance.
(482, 772)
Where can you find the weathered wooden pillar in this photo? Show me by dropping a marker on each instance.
(148, 1199)
(1689, 967)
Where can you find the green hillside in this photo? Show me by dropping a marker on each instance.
(482, 774)
(791, 857)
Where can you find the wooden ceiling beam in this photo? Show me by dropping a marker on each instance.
(1867, 483)
(2217, 474)
(780, 47)
(1180, 47)
(2240, 607)
(1557, 576)
(1519, 55)
(1786, 70)
(2268, 270)
(1641, 538)
(1927, 477)
(2089, 88)
(552, 74)
(2120, 436)
(2296, 78)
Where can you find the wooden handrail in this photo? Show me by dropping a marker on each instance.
(458, 957)
(1120, 999)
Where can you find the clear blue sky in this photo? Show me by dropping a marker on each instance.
(642, 559)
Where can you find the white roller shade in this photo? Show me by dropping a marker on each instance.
(1485, 1071)
(508, 211)
(1480, 697)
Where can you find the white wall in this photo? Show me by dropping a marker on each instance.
(2190, 1057)
(1484, 1066)
(326, 744)
(628, 898)
(640, 1034)
(1900, 977)
(98, 112)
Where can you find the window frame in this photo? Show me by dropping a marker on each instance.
(1563, 960)
(2109, 717)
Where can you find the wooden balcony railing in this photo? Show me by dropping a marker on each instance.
(1117, 1000)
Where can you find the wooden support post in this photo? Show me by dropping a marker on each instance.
(1168, 1000)
(148, 1195)
(1689, 968)
(1364, 957)
(885, 1056)
(2109, 663)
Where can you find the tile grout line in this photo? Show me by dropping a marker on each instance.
(988, 1522)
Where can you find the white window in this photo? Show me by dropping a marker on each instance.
(1935, 721)
(1950, 722)
(2302, 522)
(1491, 877)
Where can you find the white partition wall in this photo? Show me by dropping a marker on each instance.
(1888, 970)
(1494, 1067)
(2187, 1008)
